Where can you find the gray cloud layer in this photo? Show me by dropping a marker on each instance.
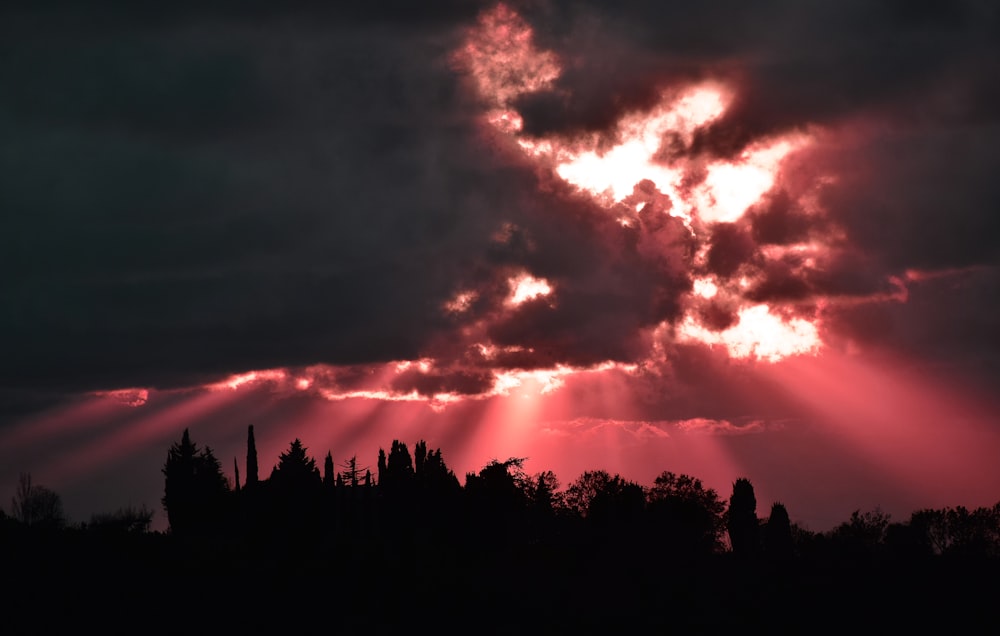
(207, 189)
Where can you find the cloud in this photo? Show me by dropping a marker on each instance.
(194, 192)
(719, 427)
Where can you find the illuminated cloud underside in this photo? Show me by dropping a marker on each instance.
(501, 57)
(629, 172)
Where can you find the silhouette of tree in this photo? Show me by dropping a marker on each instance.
(741, 519)
(686, 515)
(36, 506)
(601, 497)
(419, 455)
(862, 535)
(328, 472)
(236, 473)
(295, 470)
(195, 488)
(931, 526)
(399, 462)
(251, 458)
(545, 496)
(581, 492)
(127, 520)
(351, 474)
(778, 543)
(431, 472)
(295, 494)
(959, 531)
(329, 475)
(396, 476)
(497, 491)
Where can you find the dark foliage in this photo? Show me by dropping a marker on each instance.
(195, 489)
(685, 514)
(603, 555)
(741, 520)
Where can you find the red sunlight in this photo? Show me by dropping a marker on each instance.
(922, 433)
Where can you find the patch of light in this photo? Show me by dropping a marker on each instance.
(236, 381)
(730, 187)
(128, 397)
(525, 287)
(758, 334)
(461, 302)
(705, 288)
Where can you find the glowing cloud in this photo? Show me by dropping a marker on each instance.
(732, 187)
(128, 397)
(501, 56)
(236, 381)
(758, 334)
(646, 158)
(461, 302)
(613, 173)
(525, 287)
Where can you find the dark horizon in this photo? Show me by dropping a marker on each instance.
(406, 542)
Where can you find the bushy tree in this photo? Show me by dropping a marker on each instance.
(295, 469)
(126, 520)
(195, 488)
(545, 495)
(36, 506)
(687, 515)
(601, 497)
(863, 534)
(496, 494)
(958, 530)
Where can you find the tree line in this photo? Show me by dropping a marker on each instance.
(417, 497)
(404, 544)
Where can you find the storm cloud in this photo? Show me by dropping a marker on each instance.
(195, 191)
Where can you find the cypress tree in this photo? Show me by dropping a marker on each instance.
(381, 466)
(328, 474)
(251, 459)
(741, 519)
(778, 543)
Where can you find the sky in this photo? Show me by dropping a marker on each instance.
(725, 239)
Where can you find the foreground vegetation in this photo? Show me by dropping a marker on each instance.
(408, 545)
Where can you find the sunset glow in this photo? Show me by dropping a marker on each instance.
(612, 172)
(636, 237)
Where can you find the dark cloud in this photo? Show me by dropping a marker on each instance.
(794, 63)
(918, 198)
(778, 220)
(730, 246)
(435, 382)
(213, 194)
(205, 188)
